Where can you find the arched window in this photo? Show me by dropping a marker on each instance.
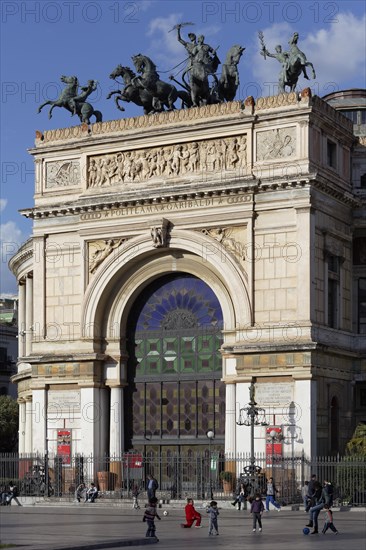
(175, 393)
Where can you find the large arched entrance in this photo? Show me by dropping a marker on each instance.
(175, 393)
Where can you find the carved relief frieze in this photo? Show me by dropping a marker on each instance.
(215, 155)
(100, 250)
(277, 143)
(62, 174)
(233, 239)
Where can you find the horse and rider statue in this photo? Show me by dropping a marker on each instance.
(293, 63)
(200, 82)
(74, 101)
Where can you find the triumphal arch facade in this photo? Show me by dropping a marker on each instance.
(176, 259)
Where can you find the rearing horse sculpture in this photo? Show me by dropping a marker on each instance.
(74, 102)
(132, 92)
(164, 94)
(66, 95)
(229, 80)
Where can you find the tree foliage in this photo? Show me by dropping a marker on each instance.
(357, 444)
(9, 416)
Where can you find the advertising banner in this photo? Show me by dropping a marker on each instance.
(273, 446)
(64, 445)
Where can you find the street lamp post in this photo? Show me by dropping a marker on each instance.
(273, 436)
(211, 435)
(251, 415)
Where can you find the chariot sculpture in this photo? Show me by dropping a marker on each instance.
(200, 82)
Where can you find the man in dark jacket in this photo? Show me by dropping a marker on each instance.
(152, 486)
(314, 511)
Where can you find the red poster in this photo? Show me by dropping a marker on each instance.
(273, 445)
(133, 460)
(64, 445)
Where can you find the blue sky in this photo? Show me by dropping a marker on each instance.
(42, 40)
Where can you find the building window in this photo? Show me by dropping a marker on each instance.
(363, 397)
(334, 425)
(331, 154)
(363, 181)
(333, 290)
(362, 306)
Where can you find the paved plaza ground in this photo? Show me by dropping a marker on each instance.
(48, 528)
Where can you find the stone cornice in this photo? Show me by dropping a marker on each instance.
(24, 253)
(247, 185)
(234, 110)
(115, 200)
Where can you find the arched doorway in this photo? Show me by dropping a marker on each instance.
(175, 393)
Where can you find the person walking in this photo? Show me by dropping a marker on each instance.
(271, 491)
(213, 528)
(257, 509)
(13, 494)
(149, 516)
(152, 487)
(191, 515)
(328, 491)
(135, 497)
(329, 520)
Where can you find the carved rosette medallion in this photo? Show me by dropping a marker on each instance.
(62, 174)
(277, 143)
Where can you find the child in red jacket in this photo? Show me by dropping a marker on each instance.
(191, 515)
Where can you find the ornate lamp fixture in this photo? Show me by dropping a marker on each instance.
(252, 415)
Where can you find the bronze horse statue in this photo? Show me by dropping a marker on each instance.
(74, 102)
(229, 80)
(164, 94)
(293, 63)
(131, 91)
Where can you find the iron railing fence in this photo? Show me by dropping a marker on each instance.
(193, 475)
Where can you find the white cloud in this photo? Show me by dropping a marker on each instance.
(3, 203)
(144, 5)
(10, 241)
(337, 53)
(164, 46)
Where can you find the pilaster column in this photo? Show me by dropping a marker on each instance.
(39, 421)
(230, 420)
(29, 314)
(28, 424)
(90, 421)
(22, 417)
(21, 319)
(116, 441)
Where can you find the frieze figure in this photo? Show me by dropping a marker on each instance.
(100, 255)
(167, 162)
(222, 235)
(293, 62)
